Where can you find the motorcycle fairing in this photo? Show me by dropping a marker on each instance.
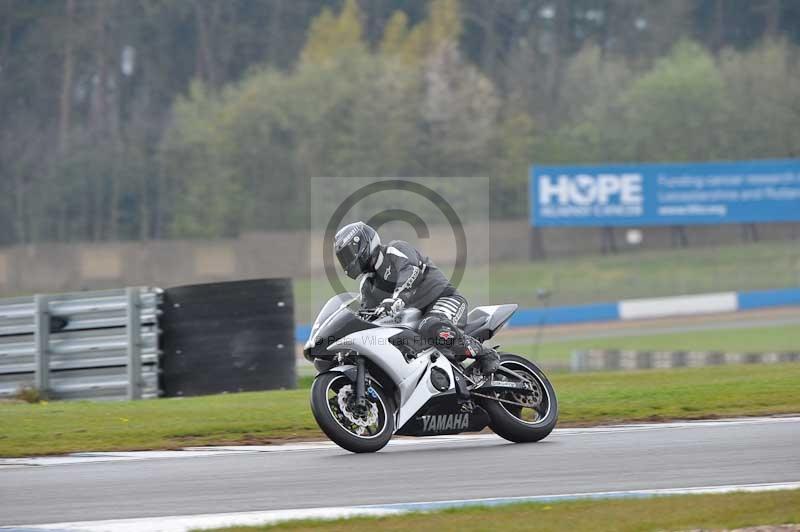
(444, 414)
(420, 389)
(411, 376)
(335, 326)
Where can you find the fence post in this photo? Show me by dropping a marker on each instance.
(42, 342)
(578, 361)
(133, 331)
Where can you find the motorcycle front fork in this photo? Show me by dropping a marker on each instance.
(361, 377)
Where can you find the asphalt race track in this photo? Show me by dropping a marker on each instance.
(691, 454)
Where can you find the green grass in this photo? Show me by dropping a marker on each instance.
(260, 417)
(755, 339)
(67, 426)
(689, 512)
(754, 266)
(651, 273)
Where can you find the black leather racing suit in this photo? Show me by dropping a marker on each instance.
(401, 271)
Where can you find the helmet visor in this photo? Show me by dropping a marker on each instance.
(348, 258)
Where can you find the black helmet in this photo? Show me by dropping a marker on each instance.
(355, 245)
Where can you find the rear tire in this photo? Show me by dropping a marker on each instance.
(507, 421)
(335, 423)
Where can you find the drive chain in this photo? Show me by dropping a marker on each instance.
(484, 396)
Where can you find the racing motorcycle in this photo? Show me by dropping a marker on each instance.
(377, 377)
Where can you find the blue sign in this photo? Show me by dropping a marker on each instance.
(665, 194)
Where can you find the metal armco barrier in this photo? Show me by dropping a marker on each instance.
(86, 345)
(616, 360)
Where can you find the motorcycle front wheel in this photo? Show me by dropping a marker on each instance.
(357, 430)
(527, 417)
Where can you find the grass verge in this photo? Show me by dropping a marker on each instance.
(689, 512)
(755, 339)
(263, 417)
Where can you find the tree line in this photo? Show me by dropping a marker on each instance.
(205, 118)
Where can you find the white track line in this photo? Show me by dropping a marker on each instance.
(187, 522)
(628, 494)
(196, 452)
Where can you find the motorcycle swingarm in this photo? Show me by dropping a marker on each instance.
(502, 386)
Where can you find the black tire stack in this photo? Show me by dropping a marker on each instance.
(228, 337)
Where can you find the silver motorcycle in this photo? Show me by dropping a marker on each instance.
(377, 377)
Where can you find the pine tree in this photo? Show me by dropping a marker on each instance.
(395, 34)
(442, 26)
(328, 34)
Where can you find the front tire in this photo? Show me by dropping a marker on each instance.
(520, 424)
(333, 409)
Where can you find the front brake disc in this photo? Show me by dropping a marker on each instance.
(344, 398)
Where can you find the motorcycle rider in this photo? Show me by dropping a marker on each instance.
(396, 276)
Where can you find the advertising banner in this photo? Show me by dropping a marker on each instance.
(665, 194)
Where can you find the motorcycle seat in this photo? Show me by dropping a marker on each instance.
(483, 322)
(475, 320)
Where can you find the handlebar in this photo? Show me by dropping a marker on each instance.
(378, 312)
(371, 313)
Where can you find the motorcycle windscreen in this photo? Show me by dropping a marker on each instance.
(333, 305)
(337, 327)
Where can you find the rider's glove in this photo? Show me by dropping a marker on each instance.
(392, 306)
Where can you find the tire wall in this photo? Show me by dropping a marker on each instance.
(228, 337)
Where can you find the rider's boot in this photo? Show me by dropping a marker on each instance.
(486, 357)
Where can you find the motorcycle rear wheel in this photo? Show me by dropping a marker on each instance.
(334, 411)
(516, 423)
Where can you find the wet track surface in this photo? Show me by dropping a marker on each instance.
(569, 461)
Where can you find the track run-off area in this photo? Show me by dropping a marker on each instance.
(213, 486)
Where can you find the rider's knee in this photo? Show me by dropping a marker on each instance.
(439, 330)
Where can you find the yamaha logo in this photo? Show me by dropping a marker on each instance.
(444, 422)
